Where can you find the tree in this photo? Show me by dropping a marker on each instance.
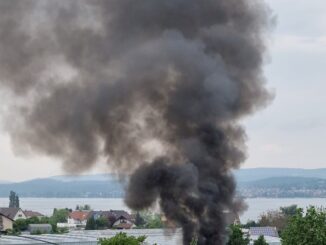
(250, 223)
(20, 225)
(85, 207)
(13, 200)
(278, 218)
(122, 239)
(91, 224)
(33, 220)
(289, 210)
(154, 222)
(98, 224)
(17, 202)
(44, 220)
(102, 223)
(309, 228)
(260, 241)
(237, 237)
(150, 220)
(139, 220)
(59, 216)
(273, 218)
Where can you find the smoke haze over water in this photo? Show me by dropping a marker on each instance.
(155, 87)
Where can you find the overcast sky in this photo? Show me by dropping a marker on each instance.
(291, 132)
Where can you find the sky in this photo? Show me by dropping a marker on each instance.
(290, 132)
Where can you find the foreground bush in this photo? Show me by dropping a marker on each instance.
(122, 239)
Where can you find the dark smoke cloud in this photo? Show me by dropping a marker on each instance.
(155, 87)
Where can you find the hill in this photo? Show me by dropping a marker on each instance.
(256, 182)
(284, 187)
(55, 188)
(288, 183)
(95, 177)
(253, 174)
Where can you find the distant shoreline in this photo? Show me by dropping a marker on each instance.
(33, 197)
(251, 183)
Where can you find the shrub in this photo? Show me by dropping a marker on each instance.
(237, 237)
(122, 239)
(260, 241)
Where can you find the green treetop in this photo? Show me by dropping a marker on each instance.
(13, 200)
(122, 239)
(237, 237)
(260, 241)
(308, 228)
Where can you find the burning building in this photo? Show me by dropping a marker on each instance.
(157, 88)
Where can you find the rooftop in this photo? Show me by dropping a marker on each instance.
(265, 231)
(79, 215)
(9, 212)
(30, 213)
(1, 214)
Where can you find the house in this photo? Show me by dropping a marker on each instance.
(31, 214)
(6, 223)
(118, 219)
(123, 220)
(78, 217)
(40, 228)
(263, 231)
(13, 213)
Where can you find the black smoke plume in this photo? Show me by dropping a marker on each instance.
(156, 87)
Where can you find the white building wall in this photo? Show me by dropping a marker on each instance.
(20, 215)
(77, 222)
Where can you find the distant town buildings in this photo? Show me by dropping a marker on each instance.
(118, 219)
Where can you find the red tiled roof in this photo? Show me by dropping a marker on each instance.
(79, 215)
(30, 213)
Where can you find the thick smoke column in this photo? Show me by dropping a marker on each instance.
(156, 87)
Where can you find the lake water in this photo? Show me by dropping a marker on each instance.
(256, 206)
